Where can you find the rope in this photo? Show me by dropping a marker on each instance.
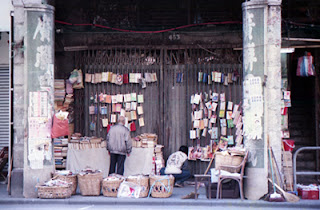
(168, 189)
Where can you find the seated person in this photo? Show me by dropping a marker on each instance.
(177, 165)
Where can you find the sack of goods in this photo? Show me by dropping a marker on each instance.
(54, 189)
(143, 182)
(90, 181)
(111, 184)
(67, 176)
(161, 186)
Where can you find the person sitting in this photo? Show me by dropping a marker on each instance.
(177, 165)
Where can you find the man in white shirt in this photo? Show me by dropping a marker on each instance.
(177, 165)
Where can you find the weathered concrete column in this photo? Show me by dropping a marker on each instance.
(262, 90)
(33, 93)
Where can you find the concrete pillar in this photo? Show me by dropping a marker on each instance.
(262, 90)
(33, 94)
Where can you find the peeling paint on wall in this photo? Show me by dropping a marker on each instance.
(253, 106)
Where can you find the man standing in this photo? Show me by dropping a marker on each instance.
(119, 145)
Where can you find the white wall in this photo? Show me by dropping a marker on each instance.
(4, 49)
(5, 9)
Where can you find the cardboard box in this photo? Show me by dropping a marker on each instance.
(287, 159)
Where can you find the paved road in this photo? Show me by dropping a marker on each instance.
(125, 207)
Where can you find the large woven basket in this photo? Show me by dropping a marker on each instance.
(227, 160)
(143, 182)
(110, 187)
(54, 191)
(161, 186)
(90, 184)
(68, 178)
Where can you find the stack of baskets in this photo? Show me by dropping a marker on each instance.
(71, 178)
(227, 160)
(110, 185)
(161, 186)
(143, 182)
(90, 182)
(54, 189)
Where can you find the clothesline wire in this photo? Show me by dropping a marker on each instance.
(149, 32)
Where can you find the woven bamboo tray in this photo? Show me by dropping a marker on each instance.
(161, 186)
(54, 191)
(110, 187)
(68, 178)
(227, 160)
(143, 182)
(90, 184)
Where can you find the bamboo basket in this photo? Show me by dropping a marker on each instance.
(54, 191)
(227, 160)
(161, 186)
(110, 187)
(143, 182)
(90, 184)
(68, 178)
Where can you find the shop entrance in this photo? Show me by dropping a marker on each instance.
(166, 101)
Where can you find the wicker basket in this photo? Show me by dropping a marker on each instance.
(110, 187)
(68, 178)
(143, 182)
(161, 186)
(227, 160)
(54, 191)
(90, 184)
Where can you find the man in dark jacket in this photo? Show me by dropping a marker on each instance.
(119, 145)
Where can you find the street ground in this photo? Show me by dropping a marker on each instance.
(174, 202)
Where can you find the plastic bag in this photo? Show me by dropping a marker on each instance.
(60, 127)
(128, 190)
(73, 76)
(305, 66)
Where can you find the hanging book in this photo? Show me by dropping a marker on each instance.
(132, 78)
(133, 115)
(119, 98)
(201, 125)
(133, 97)
(205, 122)
(118, 108)
(141, 122)
(98, 77)
(223, 122)
(125, 78)
(230, 140)
(128, 116)
(127, 97)
(122, 113)
(224, 131)
(104, 77)
(114, 99)
(235, 109)
(108, 99)
(93, 80)
(214, 133)
(230, 105)
(140, 110)
(114, 78)
(154, 77)
(213, 76)
(128, 107)
(222, 97)
(214, 106)
(113, 118)
(229, 115)
(133, 105)
(204, 132)
(230, 123)
(192, 134)
(221, 113)
(215, 97)
(104, 123)
(119, 79)
(196, 124)
(140, 98)
(88, 77)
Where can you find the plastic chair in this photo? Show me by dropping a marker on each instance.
(235, 176)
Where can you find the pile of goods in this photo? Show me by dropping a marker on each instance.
(67, 176)
(110, 185)
(145, 140)
(90, 181)
(54, 189)
(159, 161)
(161, 186)
(310, 192)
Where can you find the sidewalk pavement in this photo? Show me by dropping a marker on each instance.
(174, 200)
